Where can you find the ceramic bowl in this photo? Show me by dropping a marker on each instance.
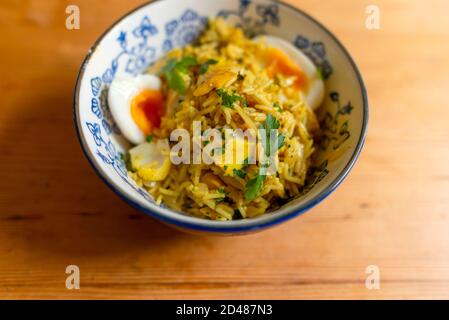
(132, 43)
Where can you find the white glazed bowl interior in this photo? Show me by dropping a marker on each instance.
(145, 34)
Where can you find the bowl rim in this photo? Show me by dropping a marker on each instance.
(237, 226)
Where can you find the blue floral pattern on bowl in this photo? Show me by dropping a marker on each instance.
(135, 50)
(316, 51)
(108, 154)
(182, 31)
(266, 14)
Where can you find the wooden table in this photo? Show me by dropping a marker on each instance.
(392, 211)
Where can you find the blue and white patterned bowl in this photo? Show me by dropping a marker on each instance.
(146, 33)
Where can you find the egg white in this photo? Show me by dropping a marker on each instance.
(147, 153)
(315, 93)
(121, 92)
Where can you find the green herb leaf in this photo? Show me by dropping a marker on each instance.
(228, 100)
(281, 141)
(175, 72)
(224, 193)
(186, 62)
(221, 190)
(253, 187)
(272, 124)
(169, 66)
(205, 66)
(277, 106)
(149, 138)
(240, 173)
(176, 81)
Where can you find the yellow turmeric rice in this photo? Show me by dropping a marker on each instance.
(226, 80)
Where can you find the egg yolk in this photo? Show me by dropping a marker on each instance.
(236, 151)
(279, 62)
(147, 110)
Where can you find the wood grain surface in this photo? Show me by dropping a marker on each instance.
(392, 211)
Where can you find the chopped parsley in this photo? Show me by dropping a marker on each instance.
(221, 190)
(281, 141)
(272, 124)
(240, 173)
(175, 72)
(228, 100)
(223, 195)
(205, 66)
(253, 187)
(277, 106)
(149, 138)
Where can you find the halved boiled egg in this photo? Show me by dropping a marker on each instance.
(137, 105)
(284, 58)
(151, 160)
